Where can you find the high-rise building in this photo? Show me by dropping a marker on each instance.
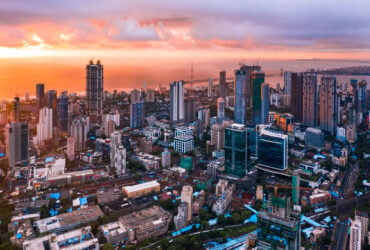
(52, 103)
(181, 218)
(288, 82)
(137, 114)
(120, 160)
(220, 107)
(166, 158)
(328, 104)
(187, 197)
(218, 136)
(272, 149)
(16, 109)
(70, 148)
(63, 112)
(44, 126)
(237, 152)
(115, 142)
(40, 95)
(279, 226)
(176, 102)
(241, 77)
(258, 78)
(210, 86)
(265, 103)
(222, 88)
(135, 95)
(363, 217)
(204, 116)
(309, 100)
(17, 143)
(190, 109)
(150, 95)
(109, 127)
(94, 89)
(79, 129)
(355, 235)
(296, 95)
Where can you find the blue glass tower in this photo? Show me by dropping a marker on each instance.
(241, 77)
(137, 114)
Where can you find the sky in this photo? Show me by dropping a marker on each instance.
(41, 39)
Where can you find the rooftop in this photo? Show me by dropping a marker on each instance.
(141, 186)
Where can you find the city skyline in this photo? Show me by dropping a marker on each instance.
(134, 42)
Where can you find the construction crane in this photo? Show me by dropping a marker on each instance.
(276, 187)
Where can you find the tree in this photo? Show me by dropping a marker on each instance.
(108, 246)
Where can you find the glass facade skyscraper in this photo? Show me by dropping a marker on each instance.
(258, 78)
(137, 114)
(240, 96)
(237, 153)
(63, 112)
(272, 149)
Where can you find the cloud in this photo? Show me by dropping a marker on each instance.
(186, 24)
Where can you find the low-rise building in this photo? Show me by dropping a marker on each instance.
(141, 189)
(146, 223)
(81, 238)
(114, 232)
(108, 195)
(150, 162)
(68, 221)
(220, 206)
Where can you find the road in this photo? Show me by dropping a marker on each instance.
(351, 179)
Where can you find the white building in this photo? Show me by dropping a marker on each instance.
(220, 206)
(44, 126)
(120, 160)
(51, 167)
(183, 143)
(355, 235)
(112, 117)
(183, 130)
(81, 238)
(220, 107)
(115, 142)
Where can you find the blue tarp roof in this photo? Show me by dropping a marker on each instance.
(83, 201)
(55, 196)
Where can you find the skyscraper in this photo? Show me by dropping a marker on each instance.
(135, 95)
(16, 109)
(70, 148)
(237, 152)
(40, 95)
(210, 85)
(220, 107)
(241, 77)
(115, 142)
(120, 160)
(52, 103)
(309, 100)
(17, 146)
(63, 112)
(94, 89)
(137, 114)
(187, 196)
(328, 104)
(272, 149)
(176, 102)
(258, 78)
(204, 116)
(288, 82)
(44, 126)
(222, 85)
(296, 95)
(79, 129)
(190, 109)
(218, 136)
(265, 103)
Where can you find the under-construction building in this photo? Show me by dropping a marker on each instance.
(279, 226)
